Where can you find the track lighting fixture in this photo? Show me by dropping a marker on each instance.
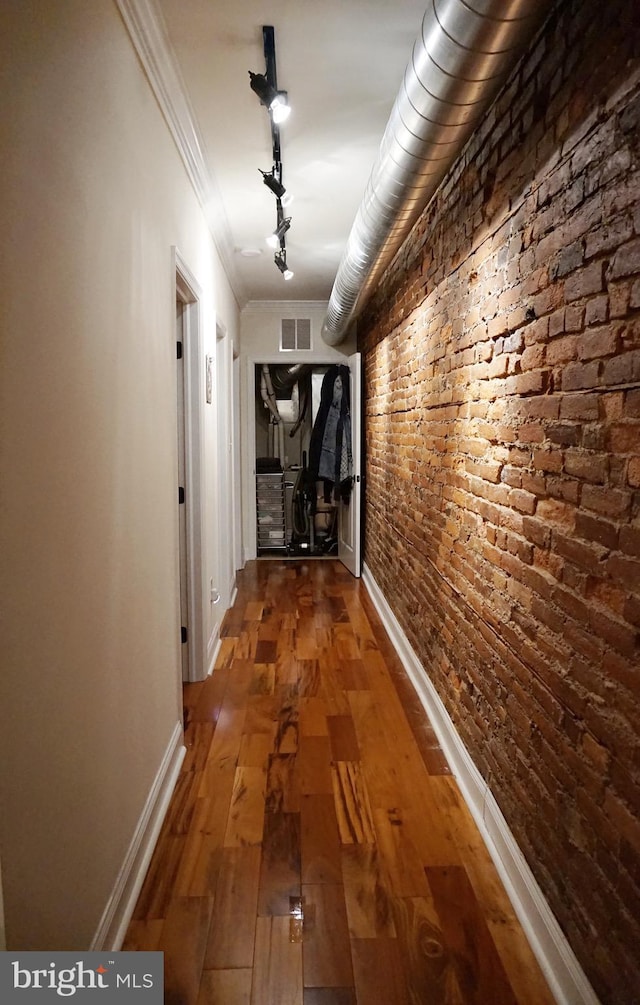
(272, 182)
(265, 85)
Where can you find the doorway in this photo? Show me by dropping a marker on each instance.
(295, 515)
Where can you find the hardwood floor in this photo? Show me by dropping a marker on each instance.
(317, 850)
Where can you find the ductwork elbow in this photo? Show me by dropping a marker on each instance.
(461, 56)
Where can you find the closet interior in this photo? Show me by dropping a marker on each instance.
(295, 514)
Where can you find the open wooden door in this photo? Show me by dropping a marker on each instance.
(349, 528)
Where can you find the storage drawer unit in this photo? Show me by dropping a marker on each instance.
(270, 511)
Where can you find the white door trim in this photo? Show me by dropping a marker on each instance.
(189, 292)
(349, 513)
(250, 535)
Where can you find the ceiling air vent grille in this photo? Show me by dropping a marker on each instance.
(295, 334)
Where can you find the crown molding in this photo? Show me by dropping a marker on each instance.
(282, 307)
(145, 25)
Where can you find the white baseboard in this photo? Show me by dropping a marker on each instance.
(557, 960)
(120, 906)
(212, 651)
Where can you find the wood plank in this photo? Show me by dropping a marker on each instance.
(379, 972)
(225, 745)
(313, 717)
(286, 665)
(308, 677)
(369, 909)
(319, 840)
(430, 966)
(225, 656)
(429, 829)
(266, 651)
(401, 862)
(277, 969)
(207, 708)
(183, 942)
(199, 877)
(183, 802)
(478, 967)
(515, 952)
(286, 718)
(280, 874)
(143, 936)
(264, 679)
(386, 785)
(246, 813)
(233, 919)
(283, 785)
(342, 735)
(225, 987)
(314, 765)
(326, 947)
(270, 626)
(345, 642)
(253, 610)
(255, 750)
(190, 859)
(329, 996)
(197, 740)
(260, 715)
(354, 675)
(353, 810)
(159, 882)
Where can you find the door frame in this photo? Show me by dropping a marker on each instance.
(188, 291)
(350, 513)
(250, 534)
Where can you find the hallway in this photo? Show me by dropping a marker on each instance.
(317, 850)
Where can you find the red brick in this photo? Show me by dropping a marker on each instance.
(547, 460)
(624, 438)
(585, 282)
(625, 570)
(584, 464)
(610, 502)
(562, 350)
(598, 343)
(630, 540)
(598, 530)
(626, 261)
(575, 376)
(587, 556)
(580, 406)
(621, 369)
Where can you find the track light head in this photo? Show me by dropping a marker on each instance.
(279, 108)
(283, 225)
(261, 86)
(273, 183)
(280, 258)
(275, 101)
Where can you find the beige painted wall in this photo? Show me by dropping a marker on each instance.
(94, 196)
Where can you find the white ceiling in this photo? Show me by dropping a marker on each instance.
(341, 62)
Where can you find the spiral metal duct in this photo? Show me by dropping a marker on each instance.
(461, 56)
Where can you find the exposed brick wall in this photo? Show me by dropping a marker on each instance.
(502, 376)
